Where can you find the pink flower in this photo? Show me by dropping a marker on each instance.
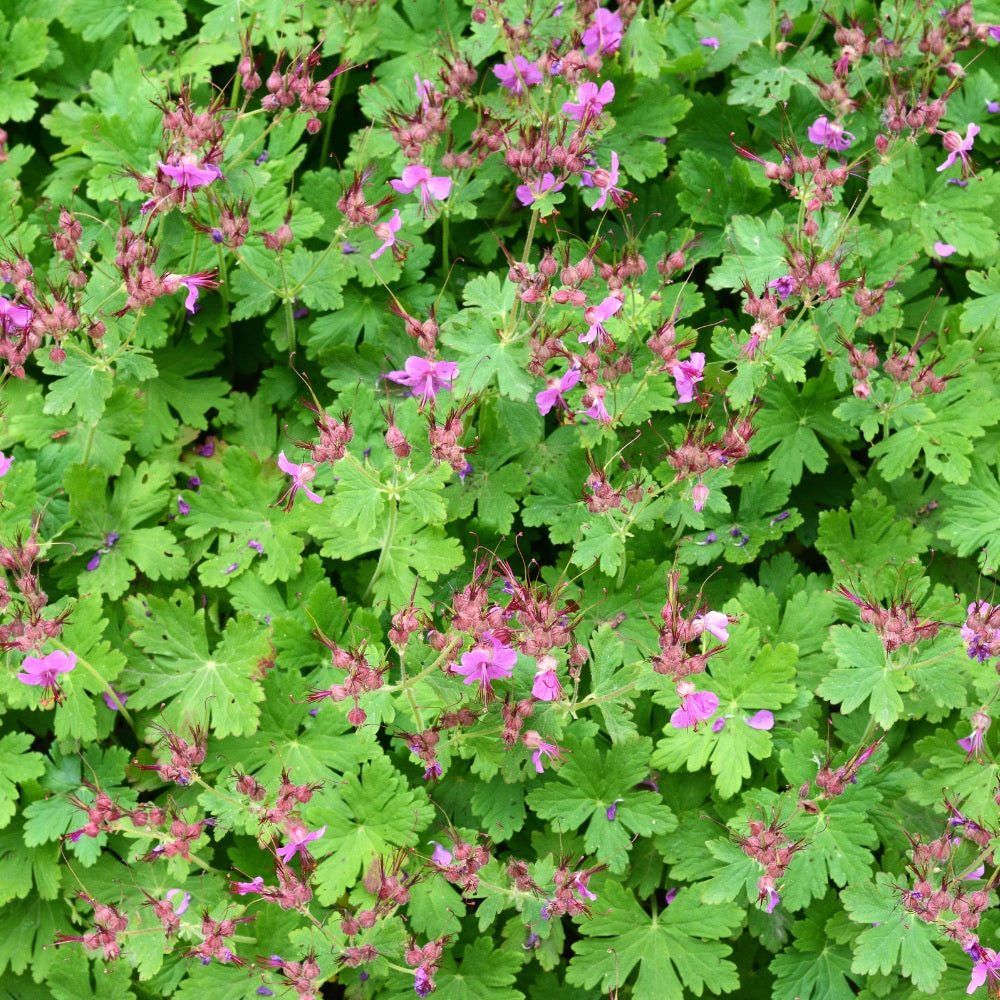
(528, 194)
(987, 968)
(545, 750)
(604, 35)
(596, 315)
(425, 378)
(192, 282)
(760, 720)
(696, 706)
(553, 394)
(182, 904)
(484, 665)
(114, 699)
(590, 101)
(431, 188)
(715, 622)
(6, 463)
(606, 181)
(441, 855)
(944, 249)
(956, 146)
(13, 316)
(517, 75)
(597, 410)
(301, 474)
(243, 888)
(711, 42)
(297, 838)
(686, 373)
(43, 671)
(830, 134)
(546, 686)
(993, 107)
(386, 231)
(189, 175)
(699, 496)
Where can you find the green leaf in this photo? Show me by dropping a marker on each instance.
(82, 382)
(607, 679)
(16, 766)
(893, 942)
(365, 816)
(148, 21)
(588, 784)
(968, 517)
(870, 541)
(676, 951)
(482, 974)
(982, 315)
(864, 673)
(764, 82)
(221, 683)
(759, 253)
(796, 421)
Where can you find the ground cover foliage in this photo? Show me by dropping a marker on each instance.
(498, 499)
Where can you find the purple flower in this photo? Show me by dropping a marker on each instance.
(243, 888)
(590, 101)
(297, 838)
(686, 373)
(772, 901)
(483, 664)
(612, 810)
(518, 75)
(432, 189)
(552, 395)
(182, 904)
(301, 474)
(13, 316)
(425, 378)
(255, 545)
(711, 42)
(579, 882)
(715, 622)
(188, 175)
(423, 984)
(207, 450)
(192, 282)
(784, 286)
(545, 750)
(830, 134)
(43, 671)
(944, 249)
(5, 464)
(607, 182)
(546, 686)
(95, 561)
(760, 720)
(386, 231)
(720, 723)
(696, 706)
(956, 146)
(993, 107)
(596, 315)
(441, 855)
(114, 699)
(597, 410)
(604, 35)
(528, 194)
(183, 506)
(986, 969)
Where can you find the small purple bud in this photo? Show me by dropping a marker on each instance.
(216, 235)
(346, 248)
(114, 699)
(300, 313)
(94, 563)
(263, 991)
(742, 541)
(314, 711)
(111, 538)
(207, 450)
(719, 724)
(533, 942)
(183, 506)
(650, 784)
(261, 159)
(709, 538)
(364, 976)
(670, 896)
(231, 569)
(612, 810)
(366, 453)
(735, 532)
(783, 516)
(257, 546)
(465, 472)
(193, 482)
